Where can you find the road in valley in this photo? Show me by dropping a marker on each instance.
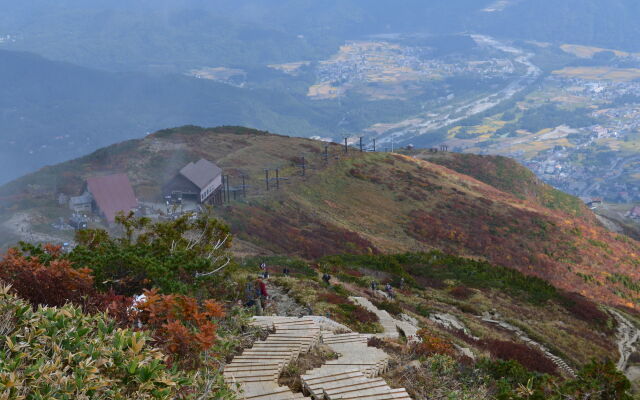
(423, 124)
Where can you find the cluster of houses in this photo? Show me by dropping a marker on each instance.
(108, 195)
(592, 202)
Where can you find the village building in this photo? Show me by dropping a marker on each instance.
(200, 181)
(592, 202)
(112, 194)
(78, 222)
(82, 204)
(634, 213)
(63, 199)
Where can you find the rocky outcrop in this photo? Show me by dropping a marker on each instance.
(627, 337)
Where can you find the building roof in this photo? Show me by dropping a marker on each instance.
(201, 173)
(112, 193)
(82, 199)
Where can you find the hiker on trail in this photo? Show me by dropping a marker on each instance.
(285, 271)
(261, 295)
(401, 283)
(265, 272)
(389, 290)
(326, 278)
(252, 296)
(263, 289)
(374, 285)
(249, 294)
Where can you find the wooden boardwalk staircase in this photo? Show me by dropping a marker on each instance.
(353, 376)
(257, 369)
(391, 325)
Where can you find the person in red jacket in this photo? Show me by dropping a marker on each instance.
(263, 289)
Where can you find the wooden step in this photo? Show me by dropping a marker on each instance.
(363, 388)
(356, 385)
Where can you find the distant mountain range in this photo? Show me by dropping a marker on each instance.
(52, 111)
(173, 36)
(128, 61)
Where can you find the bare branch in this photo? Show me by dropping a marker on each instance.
(201, 275)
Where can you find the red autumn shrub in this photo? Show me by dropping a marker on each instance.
(181, 326)
(584, 309)
(117, 306)
(433, 344)
(424, 282)
(333, 298)
(530, 358)
(353, 272)
(52, 283)
(363, 315)
(461, 292)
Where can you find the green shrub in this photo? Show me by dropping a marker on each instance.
(436, 266)
(176, 256)
(275, 265)
(392, 307)
(61, 353)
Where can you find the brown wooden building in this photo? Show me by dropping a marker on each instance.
(200, 181)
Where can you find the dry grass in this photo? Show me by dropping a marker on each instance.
(317, 357)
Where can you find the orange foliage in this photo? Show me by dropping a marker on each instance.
(181, 326)
(54, 283)
(433, 345)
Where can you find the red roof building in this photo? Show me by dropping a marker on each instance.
(112, 194)
(635, 212)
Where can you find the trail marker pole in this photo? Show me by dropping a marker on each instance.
(266, 178)
(277, 178)
(360, 144)
(374, 145)
(244, 187)
(346, 146)
(224, 191)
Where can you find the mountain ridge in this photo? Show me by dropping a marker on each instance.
(364, 203)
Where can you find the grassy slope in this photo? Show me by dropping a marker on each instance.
(509, 176)
(568, 334)
(369, 203)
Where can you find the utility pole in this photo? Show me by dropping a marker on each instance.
(224, 191)
(266, 178)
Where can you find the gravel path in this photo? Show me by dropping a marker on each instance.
(627, 337)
